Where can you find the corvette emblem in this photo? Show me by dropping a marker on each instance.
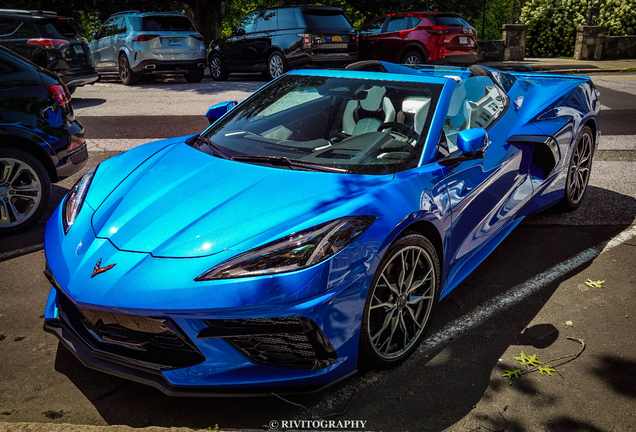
(97, 270)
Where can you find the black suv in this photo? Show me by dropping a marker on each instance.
(275, 40)
(50, 41)
(41, 140)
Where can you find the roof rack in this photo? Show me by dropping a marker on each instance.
(29, 12)
(124, 12)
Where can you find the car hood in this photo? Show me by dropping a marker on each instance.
(183, 203)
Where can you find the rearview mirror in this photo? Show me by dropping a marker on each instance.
(217, 111)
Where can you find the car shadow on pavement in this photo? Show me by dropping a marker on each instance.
(79, 102)
(439, 385)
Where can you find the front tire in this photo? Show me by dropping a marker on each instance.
(25, 190)
(126, 74)
(400, 303)
(217, 69)
(579, 169)
(276, 65)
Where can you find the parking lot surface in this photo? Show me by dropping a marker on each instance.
(530, 295)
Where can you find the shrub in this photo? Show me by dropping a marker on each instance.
(552, 23)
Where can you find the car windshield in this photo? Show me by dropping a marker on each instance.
(166, 23)
(362, 126)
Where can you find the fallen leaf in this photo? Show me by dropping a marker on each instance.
(594, 284)
(514, 373)
(547, 369)
(568, 324)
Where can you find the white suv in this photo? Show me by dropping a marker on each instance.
(134, 44)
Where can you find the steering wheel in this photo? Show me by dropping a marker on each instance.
(404, 131)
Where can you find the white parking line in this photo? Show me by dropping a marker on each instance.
(515, 295)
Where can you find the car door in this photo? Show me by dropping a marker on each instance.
(390, 42)
(120, 35)
(102, 49)
(233, 47)
(369, 36)
(485, 194)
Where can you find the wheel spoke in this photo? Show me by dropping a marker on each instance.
(411, 315)
(390, 286)
(394, 324)
(409, 280)
(387, 321)
(419, 283)
(4, 214)
(402, 275)
(6, 172)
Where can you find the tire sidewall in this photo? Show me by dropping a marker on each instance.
(132, 76)
(223, 75)
(416, 53)
(45, 183)
(367, 357)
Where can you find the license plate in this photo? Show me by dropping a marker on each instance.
(463, 40)
(78, 49)
(336, 38)
(177, 41)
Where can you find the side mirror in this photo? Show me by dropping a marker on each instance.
(233, 31)
(96, 35)
(219, 110)
(473, 141)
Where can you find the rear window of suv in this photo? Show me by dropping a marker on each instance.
(55, 29)
(166, 23)
(321, 19)
(449, 20)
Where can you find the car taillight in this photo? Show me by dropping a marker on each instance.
(144, 38)
(197, 37)
(354, 39)
(48, 43)
(306, 40)
(60, 93)
(437, 30)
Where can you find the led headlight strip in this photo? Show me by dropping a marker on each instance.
(294, 252)
(75, 198)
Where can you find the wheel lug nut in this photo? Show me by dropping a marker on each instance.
(11, 192)
(6, 199)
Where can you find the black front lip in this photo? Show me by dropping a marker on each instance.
(156, 379)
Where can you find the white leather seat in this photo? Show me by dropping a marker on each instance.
(366, 115)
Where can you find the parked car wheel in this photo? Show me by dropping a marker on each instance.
(276, 65)
(579, 169)
(413, 58)
(195, 76)
(217, 70)
(25, 189)
(126, 75)
(400, 302)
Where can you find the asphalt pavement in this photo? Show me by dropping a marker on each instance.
(529, 295)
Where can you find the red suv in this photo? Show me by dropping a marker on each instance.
(419, 37)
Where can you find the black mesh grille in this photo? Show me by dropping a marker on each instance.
(293, 341)
(79, 156)
(153, 343)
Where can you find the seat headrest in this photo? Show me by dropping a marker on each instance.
(374, 98)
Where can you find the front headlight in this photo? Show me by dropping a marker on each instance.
(294, 252)
(75, 198)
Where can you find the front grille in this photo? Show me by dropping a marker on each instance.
(79, 156)
(153, 343)
(293, 341)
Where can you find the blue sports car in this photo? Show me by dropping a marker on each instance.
(310, 229)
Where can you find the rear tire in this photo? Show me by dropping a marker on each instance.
(579, 170)
(413, 57)
(276, 65)
(401, 301)
(217, 68)
(126, 75)
(25, 190)
(195, 76)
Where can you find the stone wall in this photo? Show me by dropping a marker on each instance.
(491, 50)
(589, 43)
(619, 47)
(514, 36)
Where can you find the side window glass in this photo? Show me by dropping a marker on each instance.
(26, 30)
(121, 25)
(476, 103)
(373, 28)
(398, 24)
(107, 28)
(287, 19)
(266, 21)
(8, 26)
(414, 22)
(247, 25)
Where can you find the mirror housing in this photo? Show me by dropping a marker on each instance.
(219, 110)
(473, 141)
(96, 35)
(473, 144)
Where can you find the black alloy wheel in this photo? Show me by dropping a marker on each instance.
(579, 169)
